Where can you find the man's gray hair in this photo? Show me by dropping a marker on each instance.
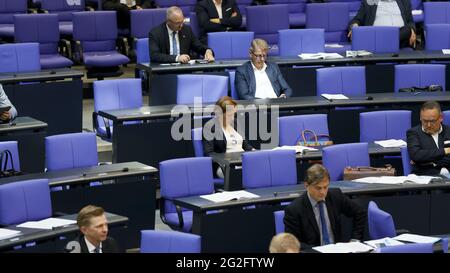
(315, 174)
(174, 10)
(259, 43)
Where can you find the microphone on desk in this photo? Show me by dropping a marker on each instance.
(369, 98)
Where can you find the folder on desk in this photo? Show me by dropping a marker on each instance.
(229, 196)
(49, 223)
(8, 233)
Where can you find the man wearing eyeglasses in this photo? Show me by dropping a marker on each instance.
(172, 41)
(258, 78)
(427, 143)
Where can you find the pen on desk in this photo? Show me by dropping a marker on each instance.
(417, 93)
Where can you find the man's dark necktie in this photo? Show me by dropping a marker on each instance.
(323, 223)
(174, 44)
(97, 249)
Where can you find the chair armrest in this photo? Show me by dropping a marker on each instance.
(180, 217)
(32, 10)
(65, 48)
(96, 125)
(78, 52)
(123, 46)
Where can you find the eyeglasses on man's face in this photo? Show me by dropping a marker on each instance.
(259, 56)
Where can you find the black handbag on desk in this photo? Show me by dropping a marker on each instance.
(5, 156)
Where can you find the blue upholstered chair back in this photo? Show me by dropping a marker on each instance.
(279, 221)
(436, 13)
(97, 31)
(291, 127)
(19, 58)
(208, 87)
(25, 201)
(446, 117)
(10, 7)
(293, 42)
(144, 20)
(438, 36)
(381, 224)
(383, 125)
(142, 51)
(376, 39)
(163, 241)
(13, 148)
(341, 80)
(114, 95)
(332, 17)
(268, 168)
(196, 135)
(181, 178)
(230, 45)
(337, 157)
(406, 161)
(69, 151)
(419, 75)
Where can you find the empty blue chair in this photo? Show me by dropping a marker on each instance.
(341, 80)
(297, 15)
(25, 201)
(266, 21)
(383, 125)
(64, 10)
(43, 29)
(187, 6)
(408, 248)
(279, 221)
(207, 87)
(12, 147)
(406, 161)
(7, 10)
(337, 157)
(293, 42)
(142, 21)
(96, 34)
(376, 39)
(163, 241)
(114, 95)
(291, 127)
(381, 224)
(142, 51)
(68, 151)
(333, 18)
(437, 36)
(419, 75)
(436, 13)
(268, 168)
(230, 45)
(446, 117)
(183, 177)
(19, 58)
(353, 6)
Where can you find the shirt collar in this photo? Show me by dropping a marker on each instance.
(169, 30)
(440, 131)
(311, 200)
(263, 69)
(90, 246)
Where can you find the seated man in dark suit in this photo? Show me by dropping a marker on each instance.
(258, 78)
(314, 217)
(387, 13)
(94, 228)
(426, 142)
(217, 15)
(4, 101)
(172, 41)
(123, 7)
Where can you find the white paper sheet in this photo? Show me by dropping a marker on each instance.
(423, 179)
(414, 238)
(391, 143)
(297, 148)
(335, 97)
(229, 196)
(320, 55)
(385, 241)
(8, 233)
(351, 247)
(48, 223)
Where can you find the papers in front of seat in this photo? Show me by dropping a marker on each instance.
(391, 143)
(383, 242)
(320, 55)
(414, 238)
(357, 53)
(351, 247)
(423, 179)
(335, 96)
(334, 45)
(416, 12)
(8, 233)
(229, 196)
(49, 223)
(445, 51)
(298, 149)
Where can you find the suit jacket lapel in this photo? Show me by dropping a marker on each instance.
(402, 9)
(331, 215)
(310, 215)
(166, 39)
(251, 75)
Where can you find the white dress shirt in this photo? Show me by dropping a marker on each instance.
(388, 14)
(234, 140)
(91, 247)
(435, 137)
(171, 44)
(129, 3)
(264, 88)
(218, 8)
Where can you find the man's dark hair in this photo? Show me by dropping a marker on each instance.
(316, 173)
(429, 105)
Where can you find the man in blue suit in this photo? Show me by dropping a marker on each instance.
(258, 78)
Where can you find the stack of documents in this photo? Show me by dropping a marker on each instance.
(298, 149)
(445, 51)
(383, 242)
(335, 97)
(412, 178)
(352, 247)
(413, 238)
(334, 45)
(49, 223)
(320, 55)
(229, 196)
(357, 53)
(391, 143)
(8, 233)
